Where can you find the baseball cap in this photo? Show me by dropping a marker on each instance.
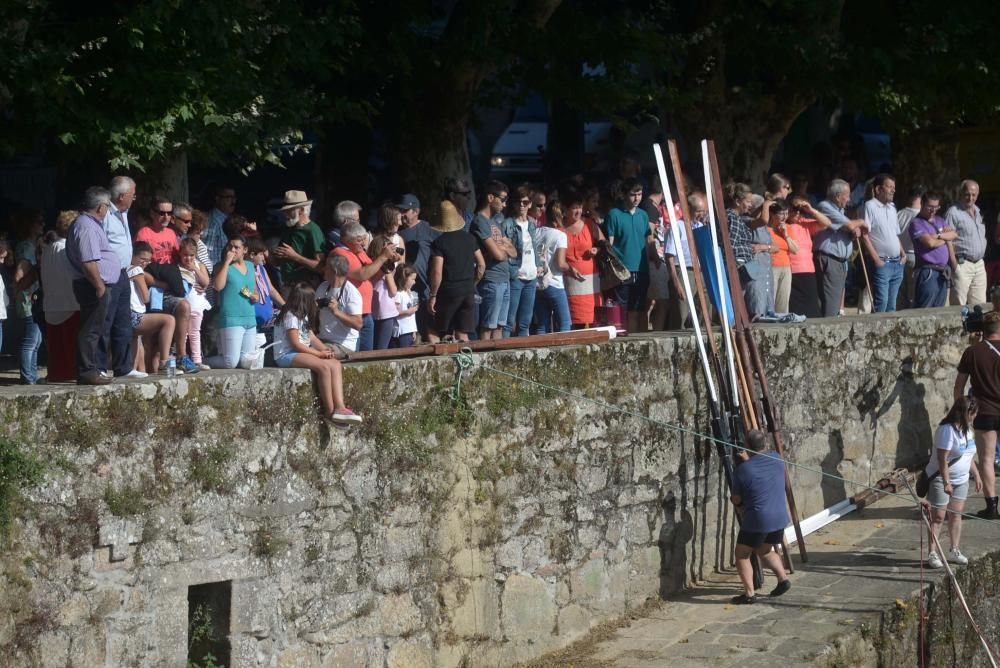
(408, 201)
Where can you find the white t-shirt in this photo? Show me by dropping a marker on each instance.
(331, 329)
(549, 241)
(406, 324)
(947, 438)
(136, 299)
(281, 329)
(527, 269)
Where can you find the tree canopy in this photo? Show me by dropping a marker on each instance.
(242, 83)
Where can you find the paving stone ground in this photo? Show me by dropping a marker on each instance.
(857, 567)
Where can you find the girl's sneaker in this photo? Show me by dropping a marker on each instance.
(187, 365)
(345, 416)
(956, 557)
(934, 561)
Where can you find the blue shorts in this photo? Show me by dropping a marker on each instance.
(285, 360)
(496, 303)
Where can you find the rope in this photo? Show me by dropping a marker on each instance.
(465, 361)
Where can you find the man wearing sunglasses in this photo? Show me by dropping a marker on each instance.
(158, 234)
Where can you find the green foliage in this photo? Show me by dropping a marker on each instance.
(201, 632)
(139, 82)
(208, 467)
(19, 470)
(267, 542)
(126, 500)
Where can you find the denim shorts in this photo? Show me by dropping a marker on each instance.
(496, 303)
(937, 498)
(285, 360)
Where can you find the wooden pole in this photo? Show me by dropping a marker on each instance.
(743, 327)
(699, 280)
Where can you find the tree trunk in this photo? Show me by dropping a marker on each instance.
(928, 158)
(341, 171)
(747, 131)
(167, 178)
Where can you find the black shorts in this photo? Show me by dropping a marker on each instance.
(754, 539)
(985, 422)
(455, 311)
(632, 293)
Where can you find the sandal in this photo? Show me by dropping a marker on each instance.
(743, 599)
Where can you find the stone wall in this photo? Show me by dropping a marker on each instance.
(486, 530)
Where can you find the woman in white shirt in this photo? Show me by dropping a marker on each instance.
(551, 303)
(62, 313)
(949, 471)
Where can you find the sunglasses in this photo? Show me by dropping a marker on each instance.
(525, 202)
(164, 213)
(186, 221)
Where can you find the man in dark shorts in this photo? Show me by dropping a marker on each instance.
(631, 237)
(456, 265)
(980, 364)
(759, 488)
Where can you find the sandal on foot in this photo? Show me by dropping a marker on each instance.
(743, 599)
(781, 588)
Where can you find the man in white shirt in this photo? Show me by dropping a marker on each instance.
(885, 256)
(340, 312)
(117, 332)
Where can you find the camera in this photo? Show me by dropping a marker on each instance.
(323, 302)
(972, 321)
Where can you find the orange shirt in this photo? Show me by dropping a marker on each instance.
(356, 261)
(165, 246)
(802, 234)
(779, 259)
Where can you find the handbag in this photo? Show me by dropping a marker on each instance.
(613, 271)
(924, 481)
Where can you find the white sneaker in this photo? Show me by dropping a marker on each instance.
(956, 557)
(934, 561)
(135, 373)
(107, 374)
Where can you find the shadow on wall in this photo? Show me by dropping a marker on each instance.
(914, 429)
(833, 489)
(675, 532)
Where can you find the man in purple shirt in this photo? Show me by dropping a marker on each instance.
(95, 267)
(931, 247)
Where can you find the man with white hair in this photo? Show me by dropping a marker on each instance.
(117, 329)
(302, 245)
(344, 213)
(968, 281)
(95, 268)
(833, 246)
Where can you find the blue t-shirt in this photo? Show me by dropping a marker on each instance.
(630, 231)
(760, 483)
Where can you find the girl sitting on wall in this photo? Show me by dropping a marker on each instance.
(297, 346)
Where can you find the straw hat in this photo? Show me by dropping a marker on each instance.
(448, 219)
(294, 199)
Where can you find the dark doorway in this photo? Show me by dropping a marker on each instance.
(208, 624)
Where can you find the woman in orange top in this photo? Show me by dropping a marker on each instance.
(782, 245)
(583, 281)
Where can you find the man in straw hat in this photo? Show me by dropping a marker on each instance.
(302, 244)
(456, 266)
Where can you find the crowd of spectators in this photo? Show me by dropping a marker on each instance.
(119, 290)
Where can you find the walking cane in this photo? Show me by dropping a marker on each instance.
(864, 270)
